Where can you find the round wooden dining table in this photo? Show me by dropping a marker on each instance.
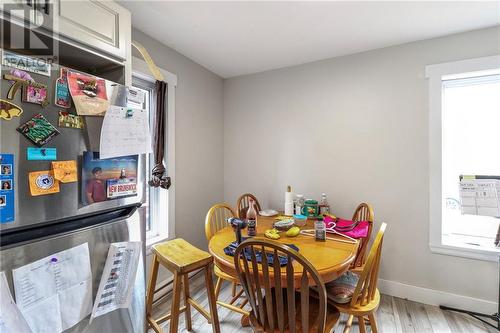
(331, 257)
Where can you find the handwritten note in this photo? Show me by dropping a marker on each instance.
(55, 293)
(65, 171)
(125, 131)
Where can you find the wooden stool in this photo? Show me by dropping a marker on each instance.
(181, 258)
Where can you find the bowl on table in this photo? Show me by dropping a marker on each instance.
(283, 225)
(300, 220)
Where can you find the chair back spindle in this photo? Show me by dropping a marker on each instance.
(364, 212)
(216, 218)
(366, 288)
(271, 288)
(243, 203)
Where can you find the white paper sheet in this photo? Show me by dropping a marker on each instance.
(55, 293)
(480, 197)
(11, 319)
(125, 131)
(118, 277)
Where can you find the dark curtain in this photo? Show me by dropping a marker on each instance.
(159, 176)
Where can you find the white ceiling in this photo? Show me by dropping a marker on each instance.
(235, 38)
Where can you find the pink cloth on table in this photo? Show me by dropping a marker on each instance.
(360, 231)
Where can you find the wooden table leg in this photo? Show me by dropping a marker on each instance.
(245, 321)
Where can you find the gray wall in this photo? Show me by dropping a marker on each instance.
(198, 141)
(356, 128)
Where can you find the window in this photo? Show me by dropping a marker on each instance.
(151, 197)
(464, 136)
(159, 204)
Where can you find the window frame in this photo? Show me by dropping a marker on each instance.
(435, 75)
(160, 232)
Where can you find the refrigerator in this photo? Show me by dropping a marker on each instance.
(47, 224)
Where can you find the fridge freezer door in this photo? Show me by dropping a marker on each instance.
(70, 143)
(131, 320)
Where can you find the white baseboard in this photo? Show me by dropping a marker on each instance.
(435, 297)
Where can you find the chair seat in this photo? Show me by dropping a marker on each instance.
(359, 310)
(179, 255)
(332, 316)
(224, 276)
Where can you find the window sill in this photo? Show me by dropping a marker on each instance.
(465, 251)
(154, 240)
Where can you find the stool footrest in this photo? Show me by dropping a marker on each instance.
(166, 317)
(198, 307)
(233, 308)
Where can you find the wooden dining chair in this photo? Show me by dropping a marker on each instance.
(278, 304)
(364, 212)
(243, 203)
(366, 297)
(216, 220)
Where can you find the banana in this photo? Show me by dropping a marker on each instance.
(272, 233)
(293, 232)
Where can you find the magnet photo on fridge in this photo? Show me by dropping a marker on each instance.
(7, 188)
(108, 179)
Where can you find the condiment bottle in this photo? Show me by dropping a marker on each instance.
(251, 218)
(324, 207)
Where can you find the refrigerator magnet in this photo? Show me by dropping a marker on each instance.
(62, 95)
(67, 119)
(26, 63)
(7, 214)
(41, 154)
(38, 130)
(65, 171)
(35, 93)
(43, 182)
(9, 110)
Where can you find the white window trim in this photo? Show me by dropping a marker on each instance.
(435, 74)
(164, 231)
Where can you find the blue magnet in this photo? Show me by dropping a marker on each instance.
(41, 154)
(7, 188)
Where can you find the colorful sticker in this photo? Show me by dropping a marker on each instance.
(106, 179)
(9, 110)
(65, 171)
(38, 130)
(30, 64)
(35, 93)
(16, 83)
(43, 182)
(67, 119)
(62, 95)
(41, 154)
(88, 93)
(7, 188)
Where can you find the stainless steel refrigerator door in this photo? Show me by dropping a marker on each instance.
(131, 320)
(70, 144)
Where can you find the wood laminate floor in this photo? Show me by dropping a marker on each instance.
(395, 315)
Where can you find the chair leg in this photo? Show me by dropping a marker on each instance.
(362, 327)
(373, 322)
(151, 286)
(212, 301)
(348, 324)
(218, 286)
(233, 292)
(187, 313)
(176, 300)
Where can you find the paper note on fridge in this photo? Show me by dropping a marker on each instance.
(11, 319)
(125, 131)
(118, 278)
(55, 293)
